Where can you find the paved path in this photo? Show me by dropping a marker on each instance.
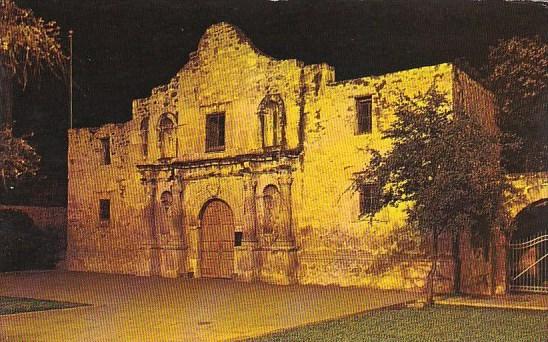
(525, 301)
(128, 308)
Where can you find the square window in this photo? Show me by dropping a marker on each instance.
(238, 236)
(215, 132)
(364, 115)
(105, 149)
(369, 198)
(104, 209)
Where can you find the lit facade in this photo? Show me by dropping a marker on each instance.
(241, 166)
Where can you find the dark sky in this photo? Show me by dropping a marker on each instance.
(124, 48)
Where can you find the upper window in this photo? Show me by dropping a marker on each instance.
(105, 150)
(271, 113)
(369, 198)
(166, 137)
(104, 209)
(215, 132)
(143, 131)
(364, 115)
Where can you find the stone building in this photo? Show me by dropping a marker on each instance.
(241, 166)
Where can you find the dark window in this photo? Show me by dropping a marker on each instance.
(104, 209)
(105, 147)
(215, 132)
(363, 109)
(369, 198)
(238, 236)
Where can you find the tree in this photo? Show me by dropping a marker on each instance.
(518, 77)
(28, 46)
(17, 159)
(446, 166)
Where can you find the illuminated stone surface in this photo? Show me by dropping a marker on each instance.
(286, 125)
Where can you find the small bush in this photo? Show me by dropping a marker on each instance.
(23, 245)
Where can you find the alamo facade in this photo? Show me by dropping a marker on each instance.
(241, 166)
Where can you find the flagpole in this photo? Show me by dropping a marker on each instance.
(70, 77)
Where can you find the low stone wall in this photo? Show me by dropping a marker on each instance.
(347, 268)
(43, 216)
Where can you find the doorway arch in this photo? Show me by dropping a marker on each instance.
(217, 240)
(528, 257)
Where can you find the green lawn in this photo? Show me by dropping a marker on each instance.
(11, 305)
(439, 323)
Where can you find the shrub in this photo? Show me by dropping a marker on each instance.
(23, 245)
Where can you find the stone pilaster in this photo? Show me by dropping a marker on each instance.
(246, 268)
(179, 211)
(286, 234)
(150, 182)
(194, 250)
(250, 209)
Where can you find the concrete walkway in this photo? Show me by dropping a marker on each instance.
(524, 301)
(128, 308)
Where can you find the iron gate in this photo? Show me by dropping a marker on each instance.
(529, 264)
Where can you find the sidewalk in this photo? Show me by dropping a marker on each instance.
(129, 308)
(530, 301)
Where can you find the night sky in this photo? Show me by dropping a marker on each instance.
(124, 48)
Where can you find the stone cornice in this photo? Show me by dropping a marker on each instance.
(223, 161)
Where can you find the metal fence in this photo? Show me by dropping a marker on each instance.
(528, 264)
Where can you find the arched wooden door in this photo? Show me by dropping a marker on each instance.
(217, 240)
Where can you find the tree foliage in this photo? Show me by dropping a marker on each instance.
(443, 163)
(17, 159)
(28, 44)
(519, 78)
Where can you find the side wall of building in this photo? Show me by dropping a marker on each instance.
(117, 244)
(481, 273)
(337, 246)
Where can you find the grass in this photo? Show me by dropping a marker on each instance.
(12, 305)
(438, 323)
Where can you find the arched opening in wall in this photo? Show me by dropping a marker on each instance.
(165, 216)
(272, 117)
(272, 217)
(217, 240)
(143, 132)
(166, 137)
(528, 253)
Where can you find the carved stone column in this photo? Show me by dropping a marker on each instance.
(245, 255)
(250, 209)
(179, 211)
(149, 180)
(286, 234)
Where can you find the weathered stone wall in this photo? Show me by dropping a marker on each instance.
(117, 244)
(226, 74)
(336, 245)
(43, 217)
